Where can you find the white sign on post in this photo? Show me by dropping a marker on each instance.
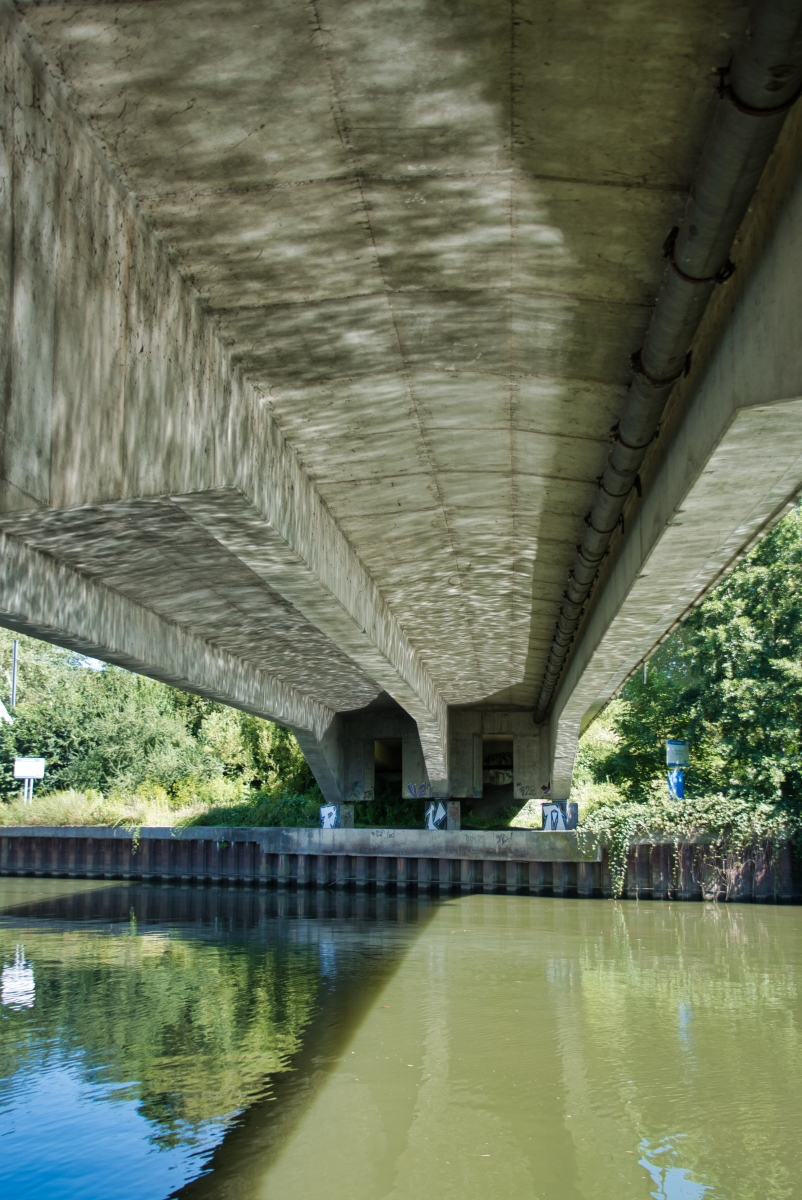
(29, 769)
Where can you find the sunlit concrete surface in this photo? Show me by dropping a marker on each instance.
(316, 320)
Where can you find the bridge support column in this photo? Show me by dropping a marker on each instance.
(358, 782)
(414, 778)
(325, 756)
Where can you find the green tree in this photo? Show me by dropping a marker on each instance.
(107, 729)
(730, 681)
(278, 761)
(97, 729)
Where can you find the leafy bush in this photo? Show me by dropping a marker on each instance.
(263, 810)
(141, 743)
(729, 680)
(727, 825)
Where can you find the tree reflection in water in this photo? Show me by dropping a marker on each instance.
(190, 1002)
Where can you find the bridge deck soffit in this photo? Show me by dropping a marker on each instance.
(137, 453)
(728, 464)
(430, 240)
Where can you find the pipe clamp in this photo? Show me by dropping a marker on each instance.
(726, 92)
(721, 275)
(637, 369)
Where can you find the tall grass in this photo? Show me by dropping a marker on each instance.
(151, 807)
(92, 808)
(158, 810)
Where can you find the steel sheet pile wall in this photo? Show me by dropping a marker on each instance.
(396, 860)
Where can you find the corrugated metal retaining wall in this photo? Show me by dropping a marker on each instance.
(515, 861)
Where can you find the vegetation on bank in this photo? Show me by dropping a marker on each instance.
(729, 680)
(123, 748)
(150, 806)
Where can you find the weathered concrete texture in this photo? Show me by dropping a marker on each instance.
(730, 463)
(314, 321)
(118, 388)
(61, 606)
(528, 744)
(345, 759)
(430, 236)
(153, 551)
(349, 752)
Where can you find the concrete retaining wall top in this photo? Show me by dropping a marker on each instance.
(525, 845)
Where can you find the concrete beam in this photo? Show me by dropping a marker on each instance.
(324, 755)
(304, 557)
(46, 600)
(118, 388)
(732, 468)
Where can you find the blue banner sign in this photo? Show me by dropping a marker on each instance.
(676, 783)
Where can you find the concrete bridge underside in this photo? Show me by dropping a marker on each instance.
(315, 319)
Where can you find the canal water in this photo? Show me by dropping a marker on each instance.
(218, 1043)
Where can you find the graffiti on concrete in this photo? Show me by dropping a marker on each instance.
(553, 817)
(436, 815)
(417, 791)
(560, 815)
(358, 791)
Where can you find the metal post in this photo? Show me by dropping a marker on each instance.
(14, 675)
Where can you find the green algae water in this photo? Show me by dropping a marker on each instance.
(216, 1043)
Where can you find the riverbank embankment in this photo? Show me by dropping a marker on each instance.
(516, 861)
